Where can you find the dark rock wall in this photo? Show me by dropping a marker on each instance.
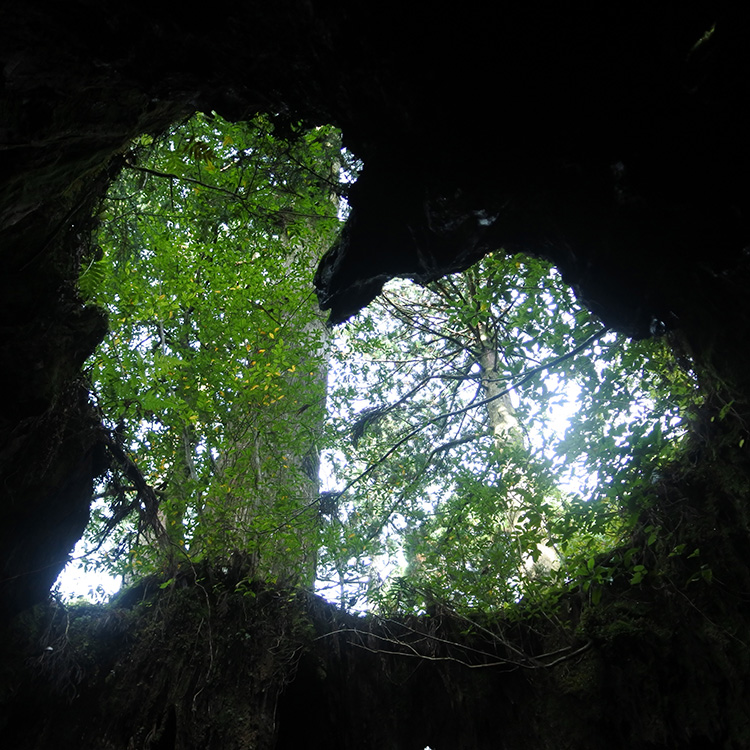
(211, 661)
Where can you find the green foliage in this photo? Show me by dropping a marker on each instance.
(213, 375)
(457, 483)
(452, 480)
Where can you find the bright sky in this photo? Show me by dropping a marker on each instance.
(75, 582)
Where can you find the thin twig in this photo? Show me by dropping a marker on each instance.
(530, 662)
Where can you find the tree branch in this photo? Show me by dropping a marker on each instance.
(525, 379)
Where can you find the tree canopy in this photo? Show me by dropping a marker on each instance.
(457, 476)
(213, 377)
(446, 476)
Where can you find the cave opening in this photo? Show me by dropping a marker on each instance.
(449, 475)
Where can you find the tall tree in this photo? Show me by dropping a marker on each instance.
(213, 376)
